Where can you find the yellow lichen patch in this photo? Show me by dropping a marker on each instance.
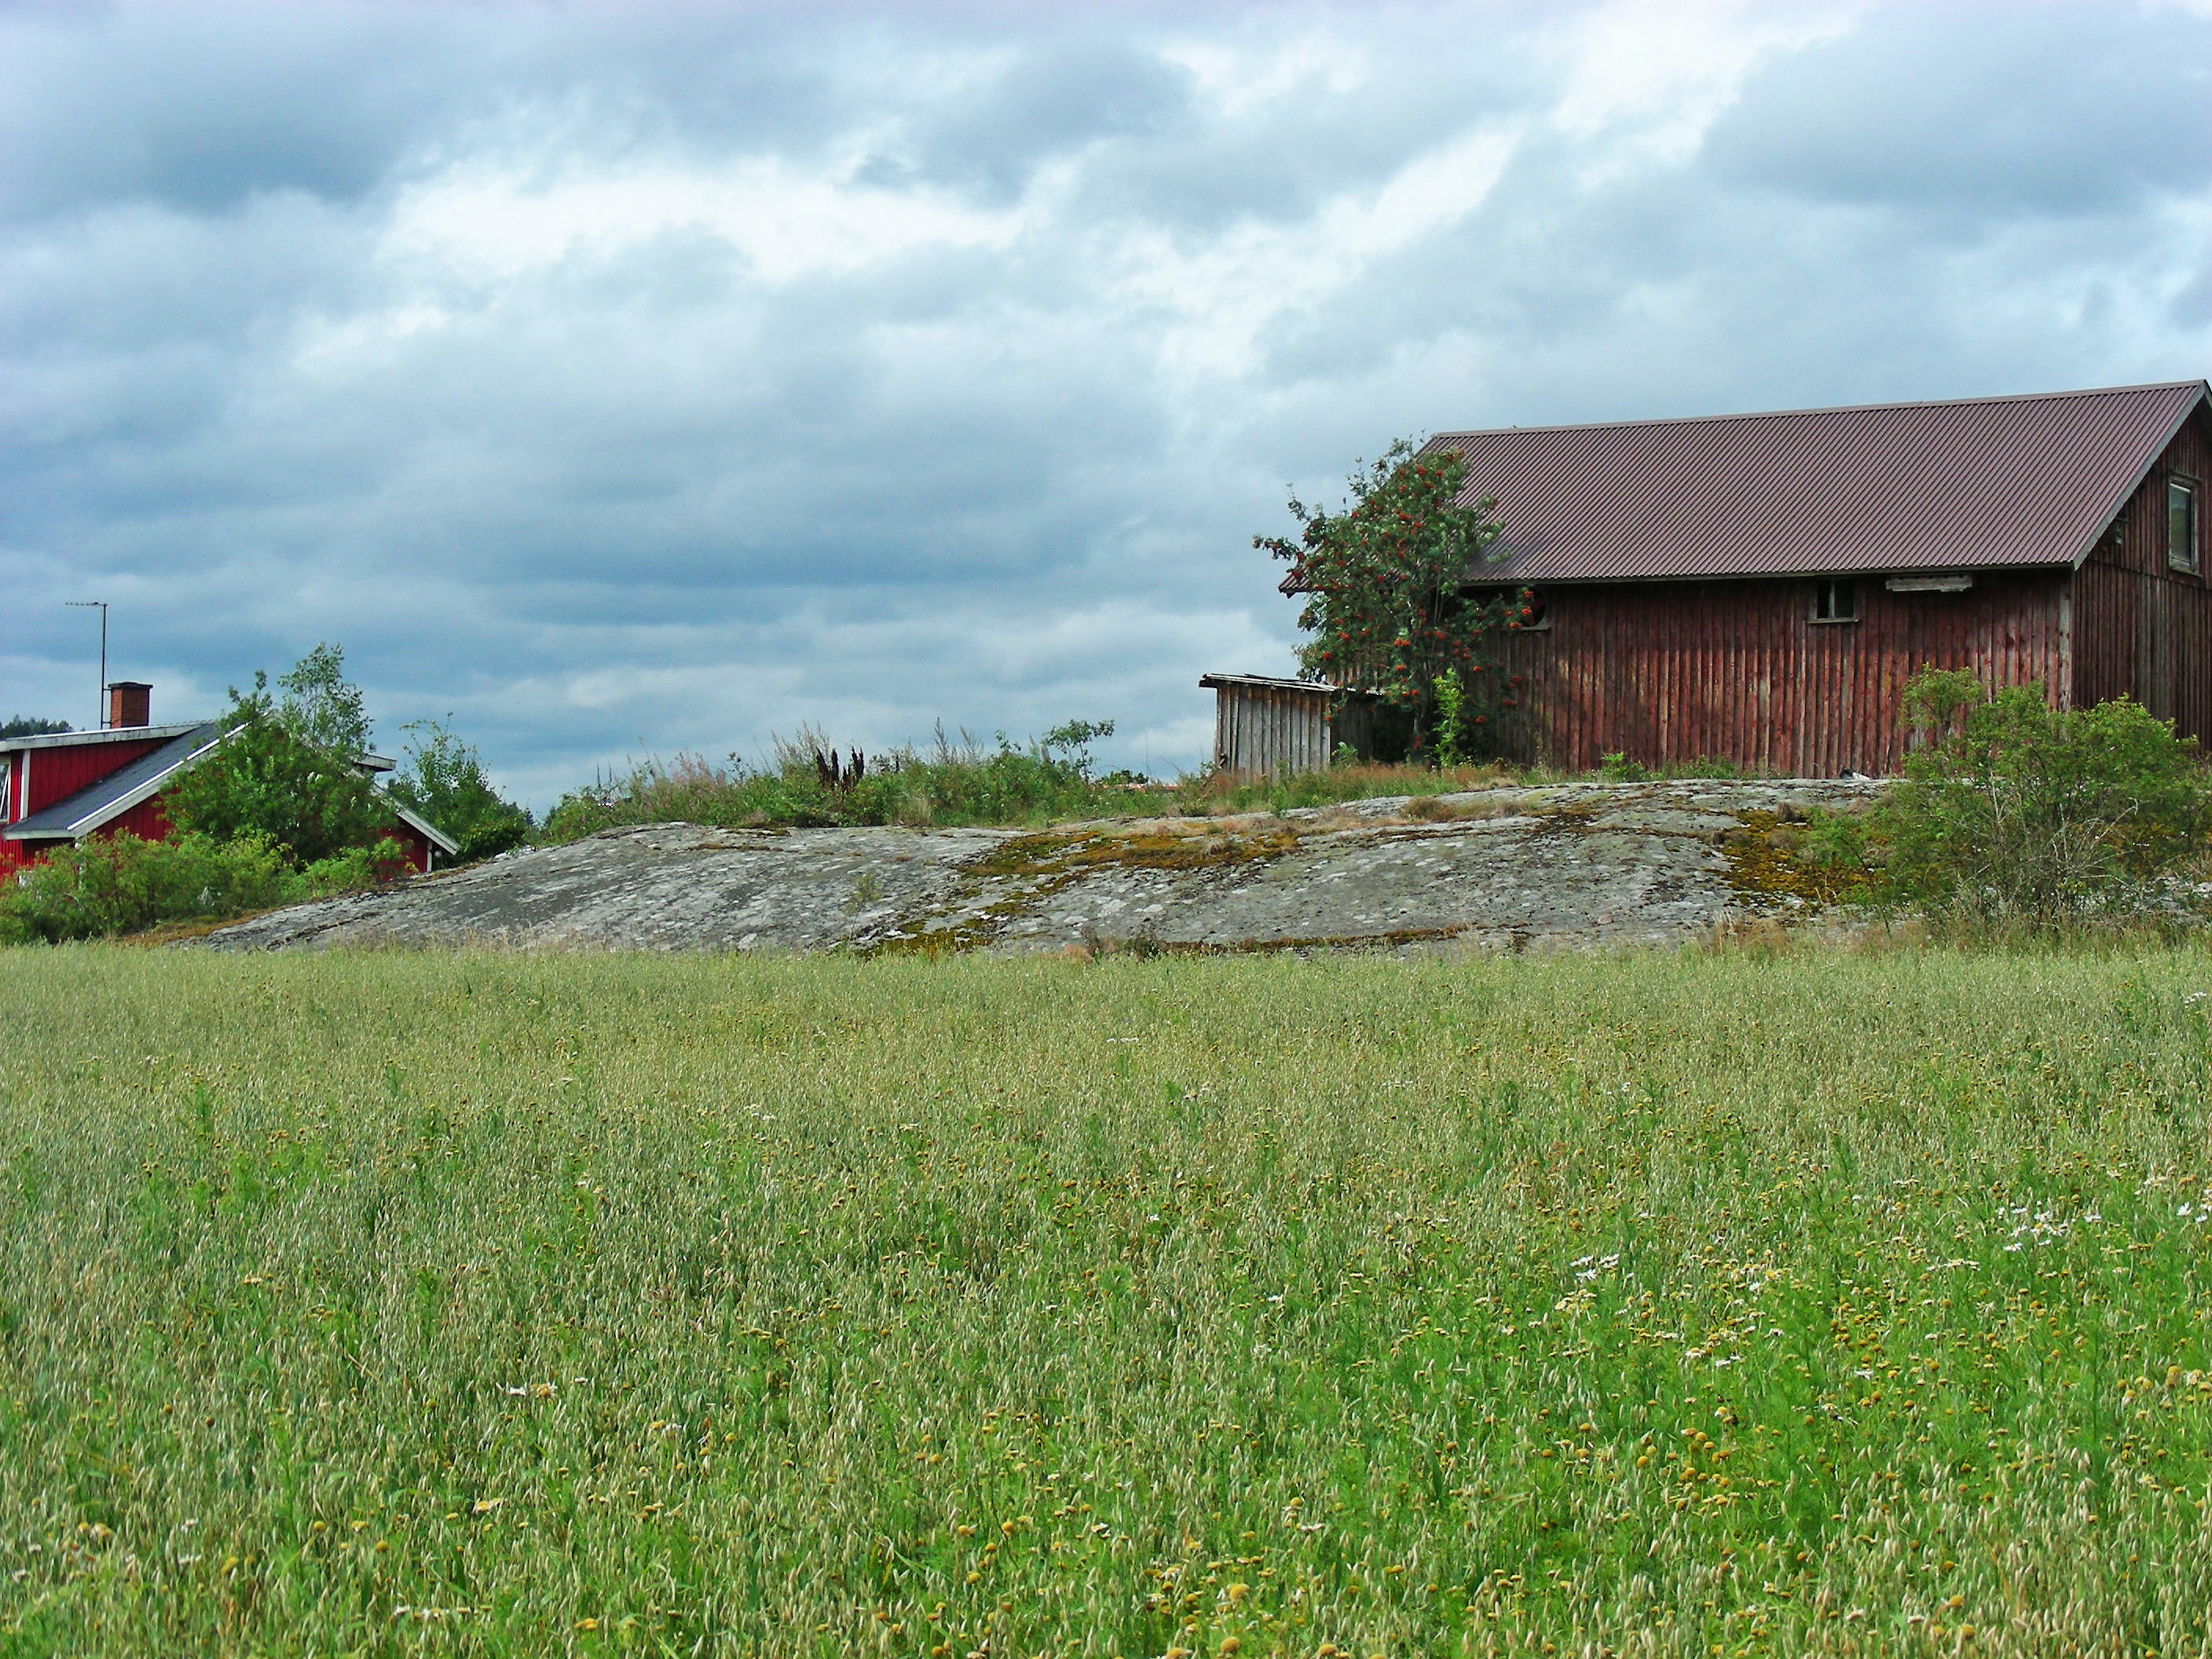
(1201, 847)
(1042, 865)
(1765, 861)
(1564, 820)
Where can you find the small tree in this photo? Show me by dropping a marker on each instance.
(2020, 811)
(286, 772)
(1386, 605)
(27, 725)
(1069, 746)
(444, 780)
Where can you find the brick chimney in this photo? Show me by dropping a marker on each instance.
(129, 702)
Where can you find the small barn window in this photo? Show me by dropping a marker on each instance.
(1835, 601)
(2181, 517)
(1525, 612)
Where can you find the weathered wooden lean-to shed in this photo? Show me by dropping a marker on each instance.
(1265, 725)
(1759, 588)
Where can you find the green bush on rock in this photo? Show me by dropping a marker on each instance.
(2022, 812)
(124, 885)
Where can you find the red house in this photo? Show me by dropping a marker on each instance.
(66, 786)
(1759, 588)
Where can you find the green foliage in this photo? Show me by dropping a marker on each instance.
(1452, 714)
(953, 782)
(1617, 768)
(1937, 697)
(443, 779)
(2028, 813)
(116, 885)
(1345, 780)
(121, 885)
(352, 869)
(1836, 841)
(285, 771)
(318, 705)
(624, 1305)
(27, 725)
(1705, 766)
(1386, 605)
(1069, 743)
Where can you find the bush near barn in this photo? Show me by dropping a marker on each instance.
(2019, 813)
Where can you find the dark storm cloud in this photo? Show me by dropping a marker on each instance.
(628, 380)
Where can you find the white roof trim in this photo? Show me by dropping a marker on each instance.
(99, 734)
(117, 808)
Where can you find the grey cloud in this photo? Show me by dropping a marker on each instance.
(1057, 97)
(1980, 113)
(643, 498)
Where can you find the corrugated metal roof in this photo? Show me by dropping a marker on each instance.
(1977, 484)
(96, 803)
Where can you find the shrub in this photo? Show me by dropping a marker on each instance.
(2023, 812)
(286, 774)
(444, 780)
(1617, 768)
(120, 883)
(123, 884)
(353, 869)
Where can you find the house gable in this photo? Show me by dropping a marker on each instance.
(64, 787)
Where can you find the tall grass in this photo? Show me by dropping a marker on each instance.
(963, 783)
(507, 1304)
(955, 781)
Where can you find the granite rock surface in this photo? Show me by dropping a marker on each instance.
(1562, 867)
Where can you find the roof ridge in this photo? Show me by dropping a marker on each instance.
(2201, 385)
(166, 729)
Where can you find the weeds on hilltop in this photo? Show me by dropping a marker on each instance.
(805, 781)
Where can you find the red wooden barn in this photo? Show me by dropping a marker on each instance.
(1759, 587)
(65, 786)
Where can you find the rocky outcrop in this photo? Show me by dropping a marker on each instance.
(1560, 866)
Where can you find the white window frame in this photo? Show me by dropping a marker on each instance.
(2192, 557)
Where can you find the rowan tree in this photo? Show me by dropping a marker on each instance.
(1388, 604)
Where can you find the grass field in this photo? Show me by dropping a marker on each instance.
(390, 1303)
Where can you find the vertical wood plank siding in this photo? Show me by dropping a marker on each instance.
(2141, 630)
(1274, 729)
(1687, 671)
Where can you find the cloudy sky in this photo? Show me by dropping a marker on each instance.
(632, 378)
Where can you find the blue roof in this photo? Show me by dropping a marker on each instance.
(94, 804)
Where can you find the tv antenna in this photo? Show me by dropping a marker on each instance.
(100, 605)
